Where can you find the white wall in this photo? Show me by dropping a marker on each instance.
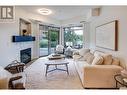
(86, 35)
(74, 20)
(108, 14)
(10, 51)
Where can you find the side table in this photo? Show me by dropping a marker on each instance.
(119, 80)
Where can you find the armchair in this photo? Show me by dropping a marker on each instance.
(12, 76)
(69, 51)
(16, 82)
(59, 49)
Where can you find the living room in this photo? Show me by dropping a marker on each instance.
(90, 19)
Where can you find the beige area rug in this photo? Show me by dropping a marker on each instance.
(55, 80)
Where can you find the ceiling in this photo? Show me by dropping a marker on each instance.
(61, 12)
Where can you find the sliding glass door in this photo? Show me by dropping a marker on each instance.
(49, 38)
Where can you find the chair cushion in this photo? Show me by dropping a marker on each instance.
(22, 80)
(98, 60)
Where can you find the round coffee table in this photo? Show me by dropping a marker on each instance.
(56, 63)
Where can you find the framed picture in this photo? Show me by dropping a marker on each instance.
(106, 35)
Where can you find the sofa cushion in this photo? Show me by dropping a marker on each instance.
(107, 59)
(98, 60)
(80, 65)
(115, 61)
(83, 51)
(96, 52)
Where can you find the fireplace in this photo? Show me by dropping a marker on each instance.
(25, 55)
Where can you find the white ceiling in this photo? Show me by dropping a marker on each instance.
(61, 12)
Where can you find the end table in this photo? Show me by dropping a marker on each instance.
(119, 80)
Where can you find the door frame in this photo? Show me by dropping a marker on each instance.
(49, 40)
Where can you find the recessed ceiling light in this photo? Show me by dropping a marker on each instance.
(44, 11)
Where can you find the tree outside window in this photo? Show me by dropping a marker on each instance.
(74, 37)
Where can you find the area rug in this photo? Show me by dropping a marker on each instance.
(55, 80)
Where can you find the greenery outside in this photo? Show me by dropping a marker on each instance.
(53, 37)
(71, 36)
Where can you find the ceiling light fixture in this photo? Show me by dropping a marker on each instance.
(44, 11)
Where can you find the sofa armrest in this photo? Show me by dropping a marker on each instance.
(15, 78)
(100, 75)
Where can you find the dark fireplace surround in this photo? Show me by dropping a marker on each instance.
(25, 55)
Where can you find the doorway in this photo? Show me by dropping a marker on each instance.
(49, 38)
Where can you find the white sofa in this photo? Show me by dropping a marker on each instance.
(96, 76)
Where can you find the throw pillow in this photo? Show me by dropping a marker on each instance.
(98, 60)
(107, 59)
(88, 57)
(115, 61)
(83, 51)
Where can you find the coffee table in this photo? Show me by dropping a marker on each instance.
(56, 63)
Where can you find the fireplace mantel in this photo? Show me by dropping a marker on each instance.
(22, 38)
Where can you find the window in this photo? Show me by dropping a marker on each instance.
(73, 36)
